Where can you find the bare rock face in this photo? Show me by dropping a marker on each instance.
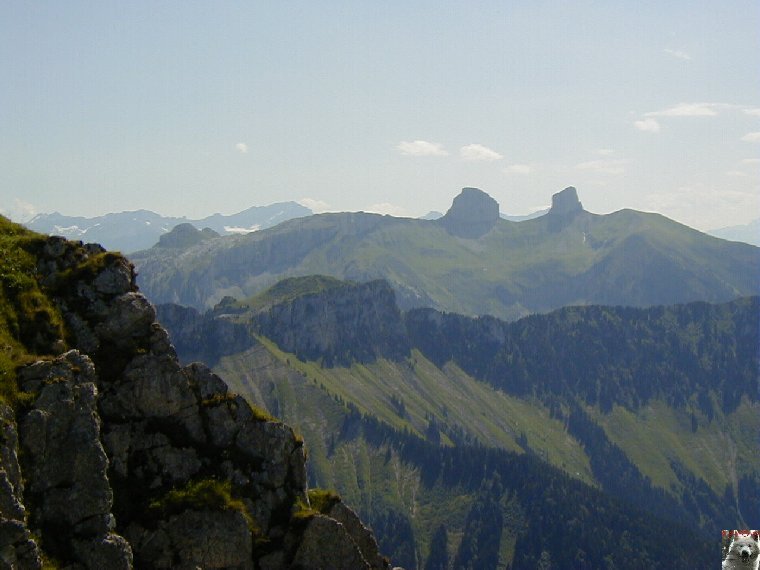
(325, 544)
(354, 322)
(565, 207)
(360, 535)
(130, 460)
(17, 547)
(195, 539)
(472, 214)
(65, 464)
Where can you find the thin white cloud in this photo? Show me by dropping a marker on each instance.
(736, 173)
(752, 137)
(518, 169)
(479, 152)
(705, 207)
(20, 211)
(387, 208)
(421, 148)
(647, 125)
(750, 161)
(690, 110)
(241, 147)
(605, 151)
(602, 166)
(678, 54)
(316, 206)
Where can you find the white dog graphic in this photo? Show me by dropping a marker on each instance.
(744, 552)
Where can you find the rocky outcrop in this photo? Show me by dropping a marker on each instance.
(354, 322)
(65, 465)
(203, 336)
(130, 460)
(17, 547)
(565, 207)
(185, 235)
(472, 214)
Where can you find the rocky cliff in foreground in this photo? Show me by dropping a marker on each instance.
(114, 456)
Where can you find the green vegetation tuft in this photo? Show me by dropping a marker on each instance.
(261, 414)
(29, 321)
(87, 270)
(201, 494)
(323, 500)
(293, 288)
(320, 502)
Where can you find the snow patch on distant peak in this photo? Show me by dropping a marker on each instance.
(70, 230)
(239, 230)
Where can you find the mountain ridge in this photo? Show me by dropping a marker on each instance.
(135, 230)
(567, 256)
(747, 233)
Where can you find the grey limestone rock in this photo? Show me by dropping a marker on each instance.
(566, 202)
(195, 539)
(116, 279)
(353, 322)
(129, 317)
(64, 462)
(325, 543)
(150, 387)
(110, 551)
(360, 534)
(472, 214)
(565, 208)
(17, 548)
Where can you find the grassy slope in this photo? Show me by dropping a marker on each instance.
(28, 318)
(313, 399)
(451, 396)
(717, 452)
(360, 472)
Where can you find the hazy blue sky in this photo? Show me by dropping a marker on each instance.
(191, 108)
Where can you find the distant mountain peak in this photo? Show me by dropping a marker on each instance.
(472, 214)
(185, 235)
(566, 202)
(565, 207)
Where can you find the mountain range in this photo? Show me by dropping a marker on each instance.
(425, 420)
(566, 391)
(748, 233)
(470, 261)
(132, 231)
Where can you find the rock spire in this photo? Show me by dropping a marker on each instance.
(472, 214)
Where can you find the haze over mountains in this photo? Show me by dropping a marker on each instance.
(131, 231)
(748, 233)
(469, 261)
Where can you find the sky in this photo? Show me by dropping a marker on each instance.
(191, 108)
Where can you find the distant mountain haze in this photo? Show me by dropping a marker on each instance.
(132, 231)
(470, 261)
(748, 233)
